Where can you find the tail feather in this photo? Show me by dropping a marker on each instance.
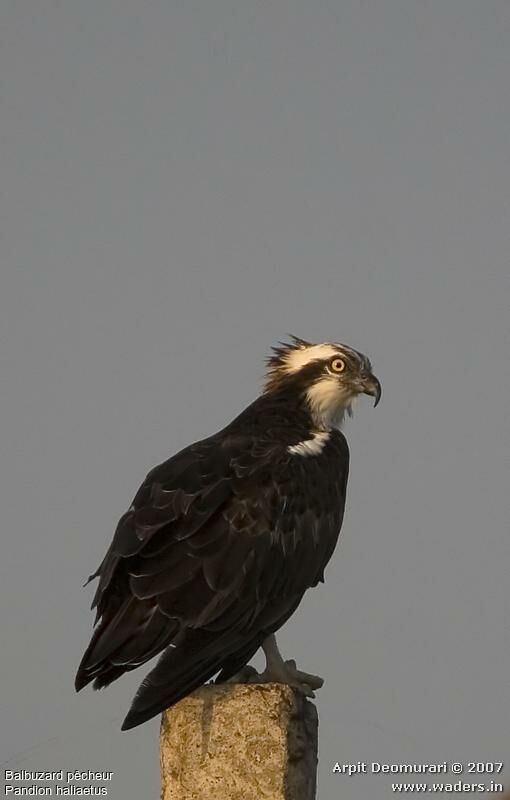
(107, 675)
(179, 671)
(237, 661)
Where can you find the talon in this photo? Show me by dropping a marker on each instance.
(279, 671)
(314, 681)
(302, 688)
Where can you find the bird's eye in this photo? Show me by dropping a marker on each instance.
(337, 365)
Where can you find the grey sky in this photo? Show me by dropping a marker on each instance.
(183, 183)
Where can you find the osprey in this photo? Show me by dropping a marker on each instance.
(223, 539)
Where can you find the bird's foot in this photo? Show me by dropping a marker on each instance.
(284, 672)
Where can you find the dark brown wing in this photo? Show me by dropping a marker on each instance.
(160, 538)
(216, 552)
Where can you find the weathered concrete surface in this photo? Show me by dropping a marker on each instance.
(239, 742)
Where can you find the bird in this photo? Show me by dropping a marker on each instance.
(223, 539)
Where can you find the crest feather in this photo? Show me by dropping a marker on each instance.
(281, 351)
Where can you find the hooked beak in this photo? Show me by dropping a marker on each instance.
(372, 387)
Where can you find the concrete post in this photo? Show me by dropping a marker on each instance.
(240, 742)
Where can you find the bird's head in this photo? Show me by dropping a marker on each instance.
(329, 376)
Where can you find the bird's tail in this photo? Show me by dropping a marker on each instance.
(180, 670)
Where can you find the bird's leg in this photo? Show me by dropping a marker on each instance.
(279, 671)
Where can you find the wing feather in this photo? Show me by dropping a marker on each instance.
(215, 553)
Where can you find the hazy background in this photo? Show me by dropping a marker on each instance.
(184, 183)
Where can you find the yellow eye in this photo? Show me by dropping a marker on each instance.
(337, 365)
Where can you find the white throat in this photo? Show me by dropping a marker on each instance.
(328, 406)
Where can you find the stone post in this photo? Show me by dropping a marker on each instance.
(239, 742)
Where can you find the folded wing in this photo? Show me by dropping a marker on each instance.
(214, 554)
